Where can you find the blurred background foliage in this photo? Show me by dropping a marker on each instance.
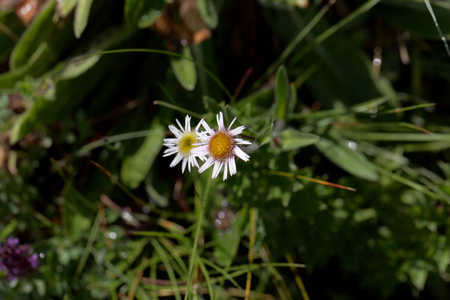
(348, 92)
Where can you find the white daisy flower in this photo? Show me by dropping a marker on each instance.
(222, 147)
(183, 144)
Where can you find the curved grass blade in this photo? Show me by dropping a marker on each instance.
(323, 182)
(397, 137)
(121, 186)
(221, 271)
(169, 53)
(333, 29)
(294, 43)
(177, 108)
(252, 241)
(166, 262)
(402, 109)
(207, 278)
(430, 9)
(198, 229)
(407, 182)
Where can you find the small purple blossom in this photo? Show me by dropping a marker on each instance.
(15, 259)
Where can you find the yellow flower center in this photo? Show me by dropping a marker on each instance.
(220, 145)
(185, 145)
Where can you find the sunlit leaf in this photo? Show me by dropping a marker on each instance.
(348, 159)
(143, 13)
(81, 16)
(136, 165)
(184, 69)
(292, 139)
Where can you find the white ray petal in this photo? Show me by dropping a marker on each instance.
(176, 160)
(232, 163)
(209, 162)
(231, 124)
(225, 170)
(217, 167)
(241, 154)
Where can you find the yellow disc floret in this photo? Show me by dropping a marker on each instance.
(220, 145)
(186, 142)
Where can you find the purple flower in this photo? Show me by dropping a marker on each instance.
(15, 260)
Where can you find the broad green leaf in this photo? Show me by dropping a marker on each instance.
(227, 242)
(78, 66)
(265, 135)
(418, 276)
(350, 160)
(282, 92)
(65, 6)
(81, 16)
(208, 12)
(136, 165)
(143, 13)
(184, 69)
(9, 33)
(8, 229)
(36, 34)
(292, 139)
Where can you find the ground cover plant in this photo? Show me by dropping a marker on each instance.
(212, 149)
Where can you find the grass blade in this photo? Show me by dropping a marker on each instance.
(430, 9)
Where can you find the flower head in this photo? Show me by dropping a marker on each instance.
(183, 144)
(15, 259)
(222, 147)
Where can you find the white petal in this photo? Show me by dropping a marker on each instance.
(169, 153)
(175, 130)
(187, 123)
(219, 118)
(179, 124)
(176, 160)
(237, 130)
(209, 162)
(225, 171)
(241, 154)
(242, 142)
(217, 168)
(198, 125)
(232, 163)
(171, 140)
(183, 165)
(231, 124)
(208, 129)
(200, 151)
(194, 162)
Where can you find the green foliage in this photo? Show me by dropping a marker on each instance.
(88, 88)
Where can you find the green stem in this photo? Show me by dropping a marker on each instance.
(201, 211)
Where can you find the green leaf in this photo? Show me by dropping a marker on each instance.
(208, 12)
(227, 243)
(78, 67)
(36, 35)
(418, 276)
(8, 229)
(9, 34)
(81, 16)
(184, 69)
(143, 13)
(282, 91)
(350, 160)
(136, 165)
(65, 7)
(292, 139)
